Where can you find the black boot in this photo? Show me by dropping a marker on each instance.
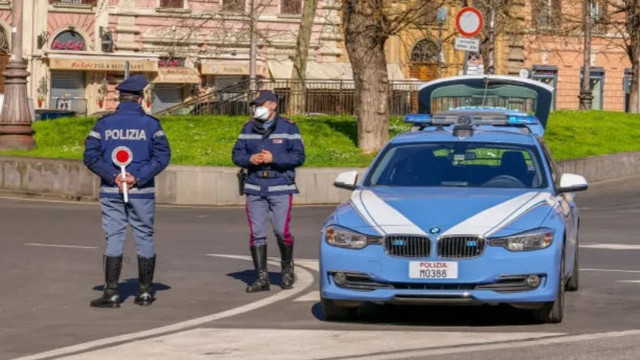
(286, 254)
(146, 267)
(110, 297)
(259, 255)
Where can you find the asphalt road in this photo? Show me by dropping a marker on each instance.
(50, 268)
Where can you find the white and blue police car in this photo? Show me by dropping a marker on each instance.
(467, 208)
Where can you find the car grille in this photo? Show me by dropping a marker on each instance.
(407, 246)
(460, 247)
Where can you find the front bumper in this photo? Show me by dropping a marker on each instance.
(497, 276)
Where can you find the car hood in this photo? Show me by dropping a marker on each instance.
(438, 211)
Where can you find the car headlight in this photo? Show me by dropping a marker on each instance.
(341, 237)
(530, 240)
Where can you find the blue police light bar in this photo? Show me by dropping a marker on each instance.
(418, 119)
(522, 120)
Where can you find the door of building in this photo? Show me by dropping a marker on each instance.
(68, 91)
(166, 96)
(425, 58)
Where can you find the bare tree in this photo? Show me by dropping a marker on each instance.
(367, 25)
(299, 71)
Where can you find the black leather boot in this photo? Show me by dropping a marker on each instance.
(286, 254)
(146, 268)
(259, 255)
(110, 297)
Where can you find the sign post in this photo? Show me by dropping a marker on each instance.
(469, 23)
(122, 156)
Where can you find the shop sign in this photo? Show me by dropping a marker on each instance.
(102, 65)
(68, 40)
(225, 69)
(171, 63)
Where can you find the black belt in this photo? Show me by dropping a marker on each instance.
(266, 174)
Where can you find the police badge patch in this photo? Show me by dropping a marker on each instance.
(277, 141)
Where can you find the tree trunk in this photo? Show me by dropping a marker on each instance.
(364, 40)
(298, 99)
(633, 50)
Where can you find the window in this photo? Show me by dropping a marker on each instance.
(172, 4)
(598, 15)
(597, 86)
(546, 14)
(626, 86)
(547, 74)
(291, 7)
(233, 5)
(459, 164)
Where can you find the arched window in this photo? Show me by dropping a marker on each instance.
(68, 40)
(425, 51)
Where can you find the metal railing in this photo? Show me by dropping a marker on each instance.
(330, 97)
(73, 2)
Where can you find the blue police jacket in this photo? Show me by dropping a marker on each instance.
(283, 140)
(129, 126)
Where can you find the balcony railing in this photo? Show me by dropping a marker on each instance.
(73, 2)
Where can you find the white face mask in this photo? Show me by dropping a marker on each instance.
(261, 113)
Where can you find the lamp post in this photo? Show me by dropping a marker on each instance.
(252, 51)
(586, 95)
(442, 18)
(15, 123)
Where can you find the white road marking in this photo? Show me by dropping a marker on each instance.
(266, 344)
(613, 270)
(62, 246)
(611, 246)
(312, 296)
(304, 280)
(629, 281)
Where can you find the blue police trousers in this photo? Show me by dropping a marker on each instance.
(261, 209)
(138, 213)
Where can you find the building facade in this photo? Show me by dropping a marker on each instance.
(79, 50)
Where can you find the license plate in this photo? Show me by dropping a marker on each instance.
(433, 270)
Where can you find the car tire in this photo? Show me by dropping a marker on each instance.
(333, 312)
(574, 281)
(553, 312)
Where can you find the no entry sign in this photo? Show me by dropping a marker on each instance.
(122, 156)
(469, 22)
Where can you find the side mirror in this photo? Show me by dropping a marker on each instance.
(572, 183)
(346, 180)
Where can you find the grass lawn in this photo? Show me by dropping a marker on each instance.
(331, 140)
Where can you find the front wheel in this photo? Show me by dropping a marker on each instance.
(333, 312)
(553, 312)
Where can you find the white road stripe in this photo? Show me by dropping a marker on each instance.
(312, 296)
(629, 281)
(304, 280)
(613, 270)
(61, 246)
(266, 344)
(611, 246)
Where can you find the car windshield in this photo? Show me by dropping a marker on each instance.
(458, 164)
(497, 96)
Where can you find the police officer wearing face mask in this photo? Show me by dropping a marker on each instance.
(142, 134)
(270, 148)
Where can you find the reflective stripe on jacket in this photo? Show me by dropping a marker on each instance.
(283, 140)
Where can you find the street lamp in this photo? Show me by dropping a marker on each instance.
(586, 96)
(15, 123)
(442, 18)
(252, 51)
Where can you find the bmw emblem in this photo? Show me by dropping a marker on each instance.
(434, 230)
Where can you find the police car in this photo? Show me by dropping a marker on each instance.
(468, 207)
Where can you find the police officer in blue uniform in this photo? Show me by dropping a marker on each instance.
(130, 127)
(270, 148)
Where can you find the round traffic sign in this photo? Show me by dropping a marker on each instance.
(469, 21)
(122, 156)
